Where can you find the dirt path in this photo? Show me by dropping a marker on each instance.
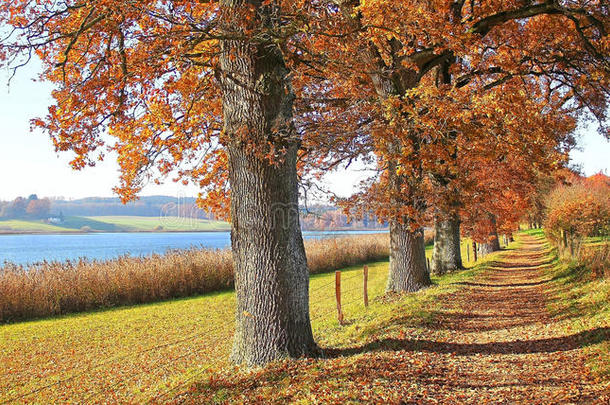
(508, 348)
(492, 341)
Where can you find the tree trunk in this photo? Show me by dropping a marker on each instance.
(447, 255)
(493, 243)
(571, 244)
(271, 274)
(408, 272)
(474, 250)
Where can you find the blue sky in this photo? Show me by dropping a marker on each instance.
(29, 164)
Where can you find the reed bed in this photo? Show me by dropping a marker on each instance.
(57, 288)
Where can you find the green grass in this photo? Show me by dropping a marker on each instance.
(168, 223)
(115, 224)
(137, 353)
(580, 303)
(17, 225)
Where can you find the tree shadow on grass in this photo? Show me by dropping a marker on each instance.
(338, 375)
(532, 284)
(549, 345)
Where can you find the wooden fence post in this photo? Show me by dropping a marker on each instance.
(338, 295)
(428, 262)
(366, 285)
(474, 250)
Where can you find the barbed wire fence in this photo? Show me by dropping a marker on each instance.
(322, 292)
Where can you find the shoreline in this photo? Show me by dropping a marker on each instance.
(78, 232)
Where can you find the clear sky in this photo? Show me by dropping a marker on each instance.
(29, 164)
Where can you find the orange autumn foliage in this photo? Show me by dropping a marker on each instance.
(430, 92)
(141, 81)
(580, 210)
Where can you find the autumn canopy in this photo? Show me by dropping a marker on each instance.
(459, 107)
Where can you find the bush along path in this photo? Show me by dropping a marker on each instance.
(489, 340)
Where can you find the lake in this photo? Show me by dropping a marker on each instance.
(27, 249)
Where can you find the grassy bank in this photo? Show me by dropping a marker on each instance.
(580, 301)
(58, 288)
(151, 352)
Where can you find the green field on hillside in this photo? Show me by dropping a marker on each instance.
(18, 225)
(168, 223)
(114, 224)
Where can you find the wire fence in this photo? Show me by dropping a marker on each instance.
(323, 307)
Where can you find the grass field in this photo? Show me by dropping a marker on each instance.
(168, 223)
(581, 302)
(115, 224)
(138, 353)
(148, 352)
(151, 353)
(17, 225)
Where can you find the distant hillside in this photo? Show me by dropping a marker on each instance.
(153, 206)
(158, 213)
(113, 224)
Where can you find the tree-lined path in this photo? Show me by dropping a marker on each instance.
(491, 341)
(506, 343)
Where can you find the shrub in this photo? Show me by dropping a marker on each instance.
(53, 288)
(578, 211)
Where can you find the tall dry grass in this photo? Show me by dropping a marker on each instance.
(53, 288)
(597, 259)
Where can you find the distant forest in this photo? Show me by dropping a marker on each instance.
(45, 209)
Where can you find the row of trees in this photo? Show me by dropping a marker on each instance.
(20, 207)
(459, 106)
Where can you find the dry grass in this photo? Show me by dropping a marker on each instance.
(53, 288)
(596, 257)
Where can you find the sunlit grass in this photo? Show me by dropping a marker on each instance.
(581, 301)
(135, 223)
(14, 225)
(115, 224)
(134, 354)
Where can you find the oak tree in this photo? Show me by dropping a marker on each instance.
(199, 90)
(381, 58)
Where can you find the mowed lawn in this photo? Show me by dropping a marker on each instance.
(147, 352)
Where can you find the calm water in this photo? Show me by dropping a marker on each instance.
(24, 249)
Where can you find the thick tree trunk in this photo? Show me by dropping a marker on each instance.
(271, 275)
(272, 279)
(447, 255)
(408, 271)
